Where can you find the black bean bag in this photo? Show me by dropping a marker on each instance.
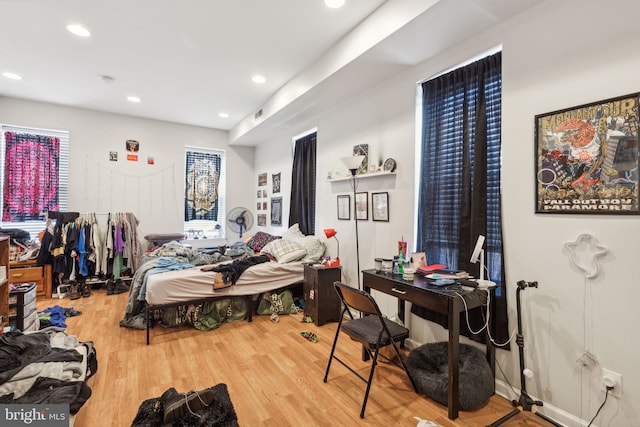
(429, 369)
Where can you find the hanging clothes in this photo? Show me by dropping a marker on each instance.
(78, 246)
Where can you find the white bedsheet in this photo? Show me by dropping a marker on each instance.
(184, 285)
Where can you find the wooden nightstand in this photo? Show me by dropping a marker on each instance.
(28, 271)
(321, 300)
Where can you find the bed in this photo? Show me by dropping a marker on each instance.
(203, 278)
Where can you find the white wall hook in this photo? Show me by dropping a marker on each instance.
(586, 243)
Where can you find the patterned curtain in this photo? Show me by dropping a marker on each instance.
(202, 178)
(31, 183)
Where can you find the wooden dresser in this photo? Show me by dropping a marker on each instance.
(28, 271)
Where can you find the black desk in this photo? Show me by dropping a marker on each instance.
(439, 300)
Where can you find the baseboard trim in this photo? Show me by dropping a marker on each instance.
(411, 344)
(556, 414)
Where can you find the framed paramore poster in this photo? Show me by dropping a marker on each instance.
(587, 158)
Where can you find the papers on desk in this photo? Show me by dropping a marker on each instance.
(439, 271)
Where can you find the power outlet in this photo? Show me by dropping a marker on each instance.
(614, 379)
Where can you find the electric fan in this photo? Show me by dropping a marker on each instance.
(240, 220)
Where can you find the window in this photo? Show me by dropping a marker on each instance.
(459, 182)
(35, 175)
(460, 166)
(204, 201)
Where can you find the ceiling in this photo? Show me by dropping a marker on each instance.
(189, 61)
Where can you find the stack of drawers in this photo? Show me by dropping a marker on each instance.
(23, 314)
(29, 271)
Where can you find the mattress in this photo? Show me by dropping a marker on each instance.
(184, 285)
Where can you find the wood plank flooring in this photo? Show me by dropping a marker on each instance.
(274, 375)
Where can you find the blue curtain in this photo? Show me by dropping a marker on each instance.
(303, 185)
(459, 196)
(201, 186)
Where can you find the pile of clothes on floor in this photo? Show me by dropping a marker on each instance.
(46, 367)
(56, 316)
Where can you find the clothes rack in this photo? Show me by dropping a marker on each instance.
(84, 247)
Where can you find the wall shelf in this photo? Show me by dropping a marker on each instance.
(362, 176)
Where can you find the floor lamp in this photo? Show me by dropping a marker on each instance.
(353, 163)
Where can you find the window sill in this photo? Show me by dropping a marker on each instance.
(205, 243)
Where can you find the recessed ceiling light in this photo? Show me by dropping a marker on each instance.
(258, 79)
(223, 115)
(78, 30)
(12, 76)
(133, 99)
(334, 4)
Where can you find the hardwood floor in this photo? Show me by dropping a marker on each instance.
(274, 375)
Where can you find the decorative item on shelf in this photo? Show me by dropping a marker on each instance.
(363, 151)
(331, 232)
(353, 163)
(389, 165)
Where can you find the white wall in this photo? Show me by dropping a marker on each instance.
(556, 56)
(154, 193)
(274, 158)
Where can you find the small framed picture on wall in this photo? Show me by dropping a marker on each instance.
(344, 206)
(276, 211)
(362, 206)
(380, 206)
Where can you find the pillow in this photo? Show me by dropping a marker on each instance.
(284, 251)
(259, 240)
(294, 233)
(314, 248)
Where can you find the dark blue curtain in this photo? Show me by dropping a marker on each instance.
(303, 185)
(201, 186)
(459, 195)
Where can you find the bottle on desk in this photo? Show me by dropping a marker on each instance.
(401, 263)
